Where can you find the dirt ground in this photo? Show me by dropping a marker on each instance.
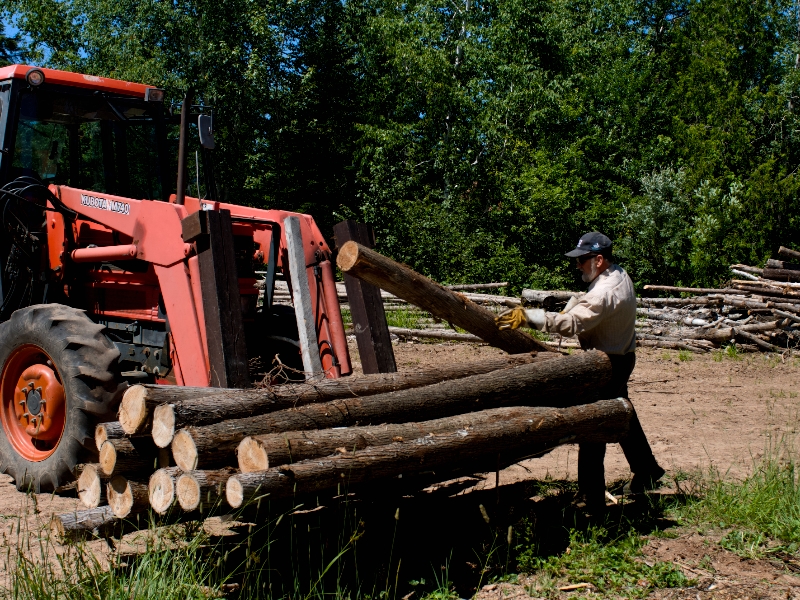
(698, 414)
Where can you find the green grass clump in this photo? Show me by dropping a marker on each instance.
(405, 318)
(685, 355)
(730, 351)
(763, 510)
(612, 565)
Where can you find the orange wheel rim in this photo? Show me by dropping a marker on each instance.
(33, 412)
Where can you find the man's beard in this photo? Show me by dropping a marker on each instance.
(591, 276)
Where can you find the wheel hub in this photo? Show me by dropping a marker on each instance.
(34, 409)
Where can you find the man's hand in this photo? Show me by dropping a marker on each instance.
(511, 319)
(516, 317)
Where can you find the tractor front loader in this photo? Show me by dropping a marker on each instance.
(108, 278)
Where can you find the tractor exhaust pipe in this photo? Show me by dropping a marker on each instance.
(180, 195)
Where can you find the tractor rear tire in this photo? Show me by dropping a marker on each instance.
(58, 377)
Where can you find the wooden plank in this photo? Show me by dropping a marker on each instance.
(222, 308)
(301, 298)
(366, 307)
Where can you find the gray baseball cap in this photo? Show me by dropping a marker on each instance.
(593, 242)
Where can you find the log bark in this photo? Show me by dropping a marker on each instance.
(161, 489)
(726, 334)
(687, 290)
(548, 299)
(670, 344)
(565, 380)
(237, 404)
(453, 336)
(199, 490)
(259, 453)
(782, 275)
(134, 415)
(126, 497)
(81, 523)
(697, 300)
(782, 264)
(749, 337)
(128, 456)
(604, 420)
(107, 431)
(789, 253)
(747, 269)
(477, 286)
(359, 261)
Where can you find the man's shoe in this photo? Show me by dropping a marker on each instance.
(644, 482)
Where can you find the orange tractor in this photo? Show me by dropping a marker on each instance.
(107, 278)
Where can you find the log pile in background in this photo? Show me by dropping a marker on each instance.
(232, 446)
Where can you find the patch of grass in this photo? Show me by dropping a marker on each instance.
(762, 511)
(613, 565)
(405, 318)
(730, 351)
(667, 356)
(685, 355)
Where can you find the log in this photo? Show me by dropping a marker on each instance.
(91, 489)
(745, 274)
(789, 253)
(81, 523)
(197, 490)
(128, 455)
(126, 497)
(134, 415)
(442, 303)
(477, 286)
(686, 290)
(746, 269)
(237, 404)
(259, 453)
(744, 335)
(790, 316)
(605, 420)
(726, 334)
(696, 300)
(565, 380)
(548, 299)
(782, 264)
(437, 335)
(782, 275)
(670, 344)
(107, 431)
(161, 489)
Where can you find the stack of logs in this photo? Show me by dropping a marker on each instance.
(186, 450)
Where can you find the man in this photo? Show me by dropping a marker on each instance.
(604, 319)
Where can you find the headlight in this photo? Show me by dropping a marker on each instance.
(35, 77)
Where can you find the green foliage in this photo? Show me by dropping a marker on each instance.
(614, 566)
(482, 138)
(685, 355)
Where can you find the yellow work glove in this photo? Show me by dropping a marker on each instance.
(511, 319)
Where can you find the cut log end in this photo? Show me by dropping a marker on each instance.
(133, 410)
(161, 490)
(90, 487)
(188, 492)
(107, 431)
(126, 497)
(252, 456)
(184, 451)
(108, 458)
(163, 425)
(234, 490)
(348, 256)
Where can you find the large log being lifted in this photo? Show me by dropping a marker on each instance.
(359, 261)
(605, 420)
(562, 381)
(263, 452)
(170, 410)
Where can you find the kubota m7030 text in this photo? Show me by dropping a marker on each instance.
(106, 277)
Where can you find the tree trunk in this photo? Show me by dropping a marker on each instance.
(91, 489)
(237, 404)
(107, 431)
(686, 290)
(725, 334)
(134, 414)
(604, 420)
(199, 490)
(781, 274)
(79, 524)
(359, 261)
(566, 380)
(263, 452)
(128, 456)
(161, 489)
(782, 264)
(433, 334)
(749, 337)
(126, 497)
(789, 253)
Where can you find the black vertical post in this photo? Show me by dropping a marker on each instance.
(219, 283)
(366, 307)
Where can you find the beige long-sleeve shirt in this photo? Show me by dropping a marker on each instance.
(605, 318)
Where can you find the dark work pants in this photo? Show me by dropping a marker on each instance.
(591, 472)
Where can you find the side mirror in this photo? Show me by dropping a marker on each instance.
(205, 126)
